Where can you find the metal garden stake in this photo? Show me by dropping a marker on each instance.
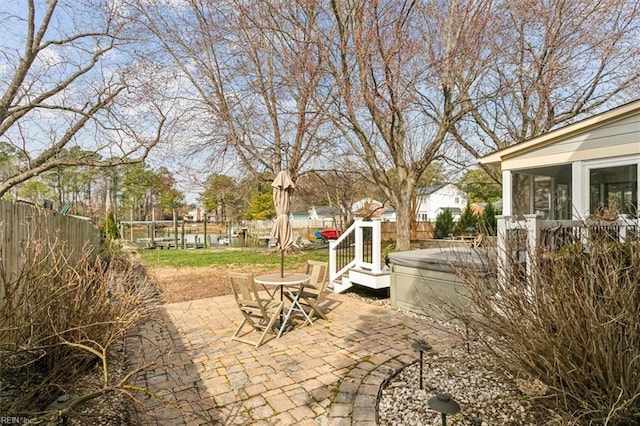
(421, 346)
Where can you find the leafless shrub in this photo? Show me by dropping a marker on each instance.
(570, 326)
(59, 318)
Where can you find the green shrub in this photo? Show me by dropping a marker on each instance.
(468, 221)
(487, 222)
(111, 227)
(444, 224)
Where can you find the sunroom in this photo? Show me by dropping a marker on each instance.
(558, 184)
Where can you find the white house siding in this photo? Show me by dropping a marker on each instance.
(449, 196)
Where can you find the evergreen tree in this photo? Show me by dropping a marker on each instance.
(444, 224)
(468, 221)
(487, 222)
(111, 227)
(261, 207)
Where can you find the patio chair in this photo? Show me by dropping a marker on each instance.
(260, 314)
(313, 292)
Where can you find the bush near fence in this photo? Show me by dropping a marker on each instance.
(22, 224)
(68, 299)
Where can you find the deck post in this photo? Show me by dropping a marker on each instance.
(333, 263)
(502, 258)
(623, 223)
(359, 240)
(376, 241)
(533, 236)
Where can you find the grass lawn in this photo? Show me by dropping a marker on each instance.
(230, 257)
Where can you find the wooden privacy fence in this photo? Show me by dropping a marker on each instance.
(422, 231)
(24, 226)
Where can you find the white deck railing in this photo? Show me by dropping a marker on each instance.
(528, 235)
(360, 246)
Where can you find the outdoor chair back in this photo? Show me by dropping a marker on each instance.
(260, 313)
(313, 292)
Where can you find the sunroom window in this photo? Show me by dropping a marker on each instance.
(614, 189)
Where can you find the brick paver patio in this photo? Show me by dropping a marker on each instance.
(328, 374)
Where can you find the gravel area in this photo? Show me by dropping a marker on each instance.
(483, 398)
(466, 376)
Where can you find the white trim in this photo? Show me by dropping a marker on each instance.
(583, 126)
(507, 199)
(570, 157)
(532, 192)
(613, 162)
(552, 198)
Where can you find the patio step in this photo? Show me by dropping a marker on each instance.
(370, 279)
(362, 277)
(341, 285)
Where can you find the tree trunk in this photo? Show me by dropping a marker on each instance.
(404, 213)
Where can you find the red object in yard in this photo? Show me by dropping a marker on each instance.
(330, 234)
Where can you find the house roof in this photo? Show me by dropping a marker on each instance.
(428, 190)
(554, 136)
(299, 214)
(453, 210)
(367, 200)
(326, 211)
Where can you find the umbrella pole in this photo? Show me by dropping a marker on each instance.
(281, 288)
(281, 263)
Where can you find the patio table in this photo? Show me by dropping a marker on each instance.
(293, 284)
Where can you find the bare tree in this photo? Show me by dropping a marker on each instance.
(552, 62)
(399, 71)
(255, 72)
(338, 188)
(66, 82)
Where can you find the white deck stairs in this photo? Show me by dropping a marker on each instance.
(356, 258)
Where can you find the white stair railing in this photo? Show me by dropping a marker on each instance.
(360, 246)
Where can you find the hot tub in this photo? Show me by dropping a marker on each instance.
(426, 282)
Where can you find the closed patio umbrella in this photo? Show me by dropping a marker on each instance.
(282, 188)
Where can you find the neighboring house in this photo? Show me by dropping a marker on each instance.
(298, 216)
(388, 215)
(324, 213)
(572, 172)
(434, 200)
(456, 212)
(326, 217)
(194, 215)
